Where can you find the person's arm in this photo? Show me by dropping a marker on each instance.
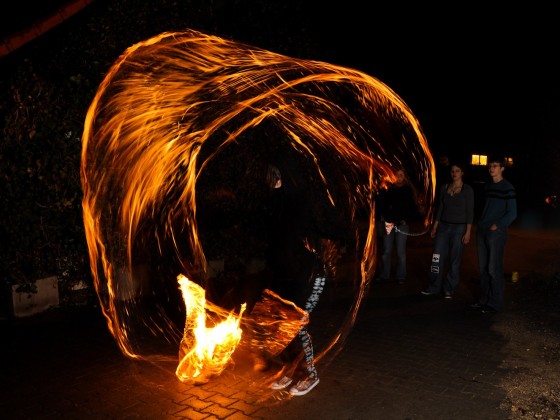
(434, 229)
(467, 235)
(507, 208)
(510, 213)
(469, 213)
(439, 210)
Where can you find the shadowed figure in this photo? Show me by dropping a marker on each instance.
(298, 227)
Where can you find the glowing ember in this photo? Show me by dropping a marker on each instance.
(182, 118)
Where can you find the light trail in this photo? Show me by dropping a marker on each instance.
(185, 117)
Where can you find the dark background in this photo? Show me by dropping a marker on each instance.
(480, 79)
(475, 75)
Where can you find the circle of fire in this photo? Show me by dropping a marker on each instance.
(173, 134)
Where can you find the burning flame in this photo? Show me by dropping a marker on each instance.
(205, 351)
(177, 111)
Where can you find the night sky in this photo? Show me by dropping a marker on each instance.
(475, 76)
(472, 76)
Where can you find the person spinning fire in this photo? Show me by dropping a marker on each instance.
(299, 272)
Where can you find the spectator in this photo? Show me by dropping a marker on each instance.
(451, 230)
(499, 212)
(397, 207)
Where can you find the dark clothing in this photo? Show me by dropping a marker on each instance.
(453, 214)
(299, 220)
(458, 208)
(448, 242)
(398, 204)
(500, 208)
(293, 224)
(290, 226)
(300, 217)
(491, 245)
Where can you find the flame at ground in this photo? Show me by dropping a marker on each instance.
(181, 119)
(212, 334)
(205, 351)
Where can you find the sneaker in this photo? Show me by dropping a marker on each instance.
(282, 383)
(448, 295)
(427, 292)
(401, 281)
(304, 386)
(476, 306)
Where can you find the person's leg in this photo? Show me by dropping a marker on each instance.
(310, 377)
(299, 354)
(400, 241)
(388, 242)
(483, 252)
(456, 233)
(439, 256)
(291, 266)
(305, 338)
(496, 245)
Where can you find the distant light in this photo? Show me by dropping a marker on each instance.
(479, 160)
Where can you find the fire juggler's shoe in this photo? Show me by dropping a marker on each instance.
(304, 386)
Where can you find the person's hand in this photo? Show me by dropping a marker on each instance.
(389, 227)
(493, 227)
(433, 232)
(466, 238)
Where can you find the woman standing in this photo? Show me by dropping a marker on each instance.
(451, 230)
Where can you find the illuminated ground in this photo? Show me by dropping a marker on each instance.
(408, 357)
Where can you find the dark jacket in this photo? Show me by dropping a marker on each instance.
(398, 204)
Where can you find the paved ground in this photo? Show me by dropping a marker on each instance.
(408, 357)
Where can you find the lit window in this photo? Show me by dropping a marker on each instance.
(479, 160)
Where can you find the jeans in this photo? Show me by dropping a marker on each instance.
(398, 240)
(491, 245)
(448, 242)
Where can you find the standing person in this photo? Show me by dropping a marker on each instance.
(451, 230)
(397, 208)
(500, 210)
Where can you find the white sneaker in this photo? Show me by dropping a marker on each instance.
(304, 386)
(282, 383)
